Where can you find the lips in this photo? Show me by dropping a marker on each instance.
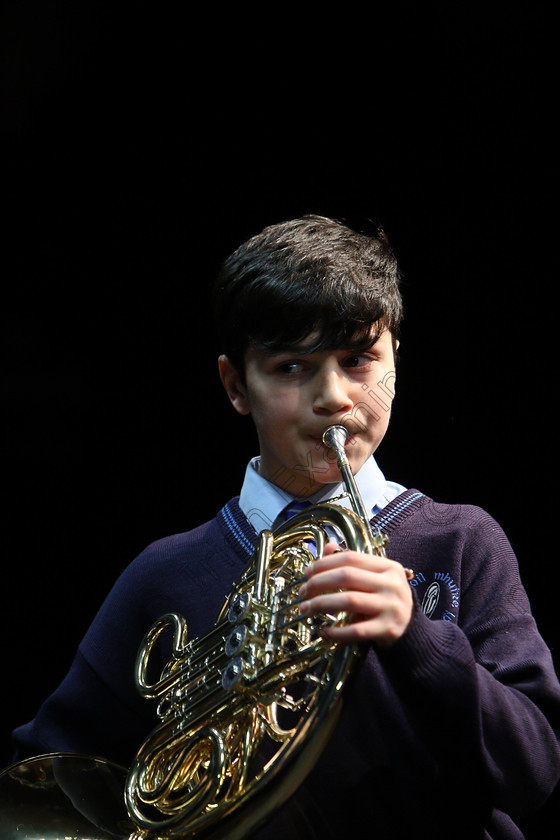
(318, 439)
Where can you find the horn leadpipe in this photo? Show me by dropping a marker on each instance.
(335, 437)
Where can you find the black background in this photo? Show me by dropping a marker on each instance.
(140, 147)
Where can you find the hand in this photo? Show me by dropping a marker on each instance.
(374, 590)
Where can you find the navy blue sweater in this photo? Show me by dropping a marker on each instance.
(452, 731)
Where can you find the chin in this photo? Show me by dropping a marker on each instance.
(358, 462)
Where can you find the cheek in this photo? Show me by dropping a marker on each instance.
(273, 404)
(269, 414)
(369, 420)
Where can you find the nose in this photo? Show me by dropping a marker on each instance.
(331, 393)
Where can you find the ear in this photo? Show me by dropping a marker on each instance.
(235, 389)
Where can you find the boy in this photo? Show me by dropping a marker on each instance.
(451, 727)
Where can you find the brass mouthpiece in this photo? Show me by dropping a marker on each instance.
(336, 437)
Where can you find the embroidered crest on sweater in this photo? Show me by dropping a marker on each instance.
(438, 595)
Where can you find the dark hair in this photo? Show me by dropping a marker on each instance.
(312, 276)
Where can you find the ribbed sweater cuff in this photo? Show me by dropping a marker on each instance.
(426, 650)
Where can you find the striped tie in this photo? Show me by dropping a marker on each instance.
(295, 507)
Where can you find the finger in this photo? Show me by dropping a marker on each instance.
(332, 548)
(370, 617)
(346, 578)
(375, 630)
(390, 608)
(373, 562)
(364, 604)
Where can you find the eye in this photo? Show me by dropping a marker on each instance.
(290, 368)
(358, 360)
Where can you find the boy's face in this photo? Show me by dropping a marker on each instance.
(293, 397)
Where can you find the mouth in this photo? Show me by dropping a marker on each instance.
(319, 443)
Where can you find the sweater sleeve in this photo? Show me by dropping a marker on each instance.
(484, 688)
(97, 708)
(82, 716)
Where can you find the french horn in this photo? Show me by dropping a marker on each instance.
(244, 711)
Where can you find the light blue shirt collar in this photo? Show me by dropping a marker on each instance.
(262, 502)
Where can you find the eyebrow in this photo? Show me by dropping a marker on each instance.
(302, 350)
